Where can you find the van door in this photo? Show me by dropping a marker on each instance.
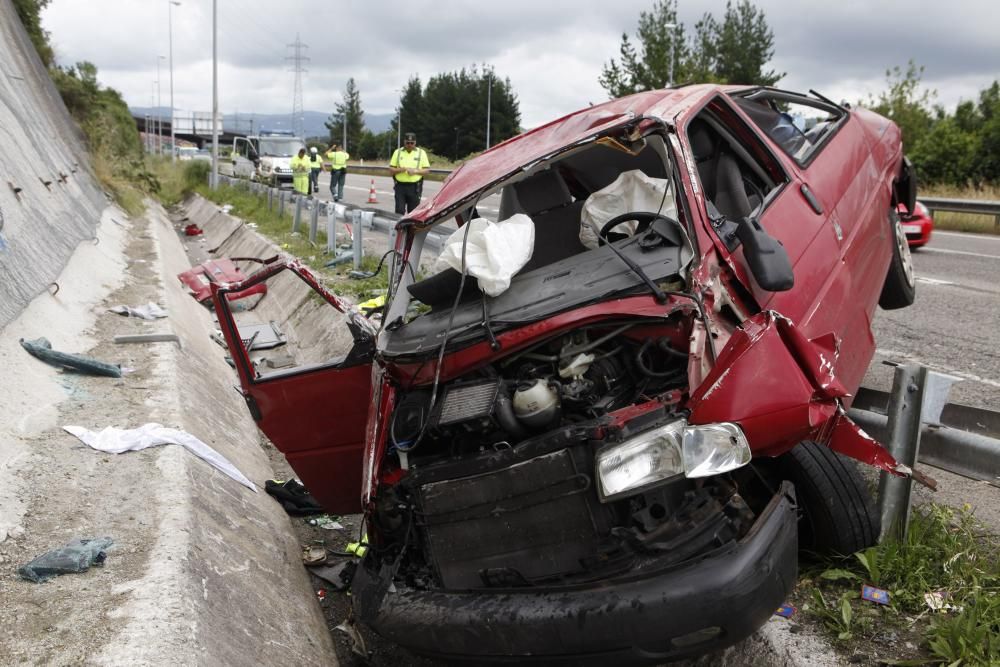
(307, 379)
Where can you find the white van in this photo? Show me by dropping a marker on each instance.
(266, 157)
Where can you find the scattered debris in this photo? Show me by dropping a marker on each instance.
(349, 628)
(256, 336)
(193, 230)
(359, 549)
(786, 611)
(41, 348)
(77, 556)
(339, 575)
(321, 594)
(327, 522)
(940, 601)
(148, 338)
(150, 311)
(314, 555)
(279, 361)
(293, 496)
(116, 441)
(873, 594)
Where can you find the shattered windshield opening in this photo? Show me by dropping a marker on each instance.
(535, 249)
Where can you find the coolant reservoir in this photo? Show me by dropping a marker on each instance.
(536, 404)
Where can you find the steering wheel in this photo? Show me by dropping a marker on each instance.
(645, 219)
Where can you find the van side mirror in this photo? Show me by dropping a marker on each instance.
(767, 258)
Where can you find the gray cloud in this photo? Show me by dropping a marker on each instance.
(552, 52)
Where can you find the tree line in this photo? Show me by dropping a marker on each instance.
(448, 115)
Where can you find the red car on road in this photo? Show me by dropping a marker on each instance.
(917, 225)
(619, 456)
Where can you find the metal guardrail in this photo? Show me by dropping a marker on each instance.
(380, 168)
(917, 424)
(977, 206)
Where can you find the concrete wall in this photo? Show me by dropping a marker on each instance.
(42, 225)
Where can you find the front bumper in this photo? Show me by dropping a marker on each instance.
(688, 609)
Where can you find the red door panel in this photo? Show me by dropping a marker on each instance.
(316, 414)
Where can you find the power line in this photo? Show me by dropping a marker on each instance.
(298, 111)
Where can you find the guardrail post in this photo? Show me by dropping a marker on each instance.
(281, 203)
(313, 221)
(270, 199)
(903, 443)
(358, 246)
(331, 229)
(297, 216)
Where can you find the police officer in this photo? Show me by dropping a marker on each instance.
(315, 166)
(408, 166)
(338, 170)
(300, 172)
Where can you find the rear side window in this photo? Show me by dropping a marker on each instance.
(798, 124)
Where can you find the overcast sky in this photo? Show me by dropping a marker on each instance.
(552, 52)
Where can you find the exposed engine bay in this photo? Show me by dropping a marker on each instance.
(497, 473)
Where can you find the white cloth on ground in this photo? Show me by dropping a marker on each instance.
(150, 311)
(117, 441)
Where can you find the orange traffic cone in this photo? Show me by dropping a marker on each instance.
(372, 199)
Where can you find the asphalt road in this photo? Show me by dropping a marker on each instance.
(953, 327)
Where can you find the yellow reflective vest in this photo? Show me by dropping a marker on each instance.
(338, 159)
(404, 159)
(300, 174)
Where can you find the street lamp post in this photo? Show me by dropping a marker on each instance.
(489, 100)
(159, 114)
(170, 35)
(215, 97)
(670, 75)
(399, 119)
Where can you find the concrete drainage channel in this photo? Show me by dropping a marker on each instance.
(780, 642)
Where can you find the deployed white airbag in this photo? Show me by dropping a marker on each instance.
(494, 253)
(633, 191)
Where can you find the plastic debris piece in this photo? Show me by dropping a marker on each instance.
(357, 548)
(372, 304)
(77, 556)
(41, 348)
(326, 521)
(148, 338)
(193, 230)
(357, 641)
(150, 311)
(314, 555)
(294, 497)
(786, 611)
(339, 575)
(321, 594)
(116, 441)
(873, 594)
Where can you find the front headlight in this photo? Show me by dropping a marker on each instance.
(659, 455)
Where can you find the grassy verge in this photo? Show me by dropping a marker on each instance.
(944, 594)
(180, 180)
(964, 222)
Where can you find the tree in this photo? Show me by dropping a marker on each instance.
(410, 110)
(452, 112)
(350, 108)
(905, 103)
(745, 44)
(29, 11)
(734, 51)
(649, 67)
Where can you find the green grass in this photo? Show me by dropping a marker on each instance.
(946, 551)
(964, 222)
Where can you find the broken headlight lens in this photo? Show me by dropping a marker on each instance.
(711, 449)
(646, 459)
(667, 452)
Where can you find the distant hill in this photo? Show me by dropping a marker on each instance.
(312, 121)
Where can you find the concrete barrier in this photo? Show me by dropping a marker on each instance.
(49, 201)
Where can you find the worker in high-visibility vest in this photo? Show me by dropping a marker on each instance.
(300, 172)
(408, 166)
(315, 166)
(338, 158)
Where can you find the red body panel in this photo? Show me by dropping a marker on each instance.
(199, 279)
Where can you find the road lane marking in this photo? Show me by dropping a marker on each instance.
(958, 252)
(933, 281)
(967, 235)
(951, 371)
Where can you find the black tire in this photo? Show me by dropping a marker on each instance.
(837, 513)
(900, 286)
